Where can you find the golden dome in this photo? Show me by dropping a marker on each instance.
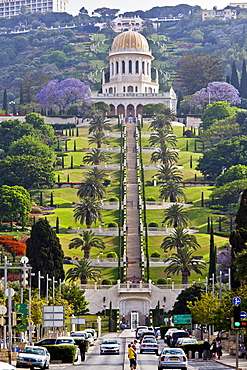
(130, 40)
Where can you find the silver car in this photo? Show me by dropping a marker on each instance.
(32, 357)
(149, 344)
(172, 358)
(109, 346)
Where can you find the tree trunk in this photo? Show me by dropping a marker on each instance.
(87, 252)
(99, 144)
(185, 276)
(172, 198)
(83, 279)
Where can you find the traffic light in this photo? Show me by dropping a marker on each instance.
(24, 278)
(236, 317)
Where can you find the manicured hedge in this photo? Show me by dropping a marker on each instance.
(196, 347)
(66, 353)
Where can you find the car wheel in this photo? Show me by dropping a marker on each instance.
(101, 352)
(43, 367)
(141, 351)
(48, 365)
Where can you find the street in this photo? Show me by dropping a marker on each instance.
(146, 361)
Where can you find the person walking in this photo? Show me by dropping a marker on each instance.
(206, 350)
(219, 349)
(83, 348)
(213, 348)
(132, 357)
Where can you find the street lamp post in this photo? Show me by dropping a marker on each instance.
(47, 286)
(39, 283)
(53, 288)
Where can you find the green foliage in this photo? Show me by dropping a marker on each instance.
(153, 224)
(161, 281)
(193, 348)
(111, 255)
(156, 254)
(221, 130)
(238, 172)
(229, 192)
(151, 199)
(58, 58)
(106, 282)
(33, 146)
(113, 224)
(75, 297)
(15, 202)
(113, 199)
(215, 112)
(65, 353)
(187, 295)
(45, 252)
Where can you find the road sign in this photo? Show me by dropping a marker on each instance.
(181, 319)
(243, 315)
(77, 320)
(236, 301)
(166, 319)
(53, 316)
(3, 310)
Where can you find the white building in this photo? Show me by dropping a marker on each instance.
(130, 85)
(241, 5)
(12, 8)
(223, 14)
(121, 24)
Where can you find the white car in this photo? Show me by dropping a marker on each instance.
(93, 332)
(169, 333)
(149, 344)
(6, 366)
(83, 335)
(172, 358)
(181, 341)
(33, 356)
(109, 346)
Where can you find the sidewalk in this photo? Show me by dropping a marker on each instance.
(230, 360)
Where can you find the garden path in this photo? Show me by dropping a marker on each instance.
(133, 232)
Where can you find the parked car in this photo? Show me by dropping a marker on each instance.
(5, 366)
(172, 358)
(178, 334)
(109, 346)
(33, 356)
(149, 344)
(83, 335)
(181, 341)
(93, 332)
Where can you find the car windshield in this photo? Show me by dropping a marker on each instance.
(35, 351)
(172, 352)
(59, 341)
(109, 342)
(149, 340)
(78, 335)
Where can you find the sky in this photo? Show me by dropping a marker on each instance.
(130, 5)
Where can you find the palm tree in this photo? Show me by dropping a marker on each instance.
(87, 241)
(99, 124)
(173, 191)
(180, 238)
(175, 216)
(168, 172)
(83, 270)
(164, 155)
(88, 211)
(91, 188)
(95, 157)
(162, 120)
(99, 139)
(184, 261)
(162, 137)
(96, 174)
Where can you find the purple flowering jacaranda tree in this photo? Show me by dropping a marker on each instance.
(214, 92)
(61, 95)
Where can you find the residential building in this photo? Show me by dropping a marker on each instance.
(241, 5)
(11, 8)
(121, 24)
(223, 14)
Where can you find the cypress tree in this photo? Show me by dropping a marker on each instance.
(191, 164)
(21, 95)
(212, 254)
(45, 252)
(208, 227)
(51, 200)
(71, 162)
(5, 101)
(195, 177)
(41, 198)
(234, 76)
(195, 148)
(58, 178)
(66, 146)
(243, 81)
(202, 199)
(67, 178)
(187, 146)
(77, 131)
(57, 225)
(62, 161)
(74, 146)
(220, 224)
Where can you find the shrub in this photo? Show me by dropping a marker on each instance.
(156, 254)
(107, 182)
(111, 255)
(197, 347)
(66, 353)
(153, 224)
(161, 281)
(112, 224)
(113, 199)
(106, 282)
(188, 133)
(150, 199)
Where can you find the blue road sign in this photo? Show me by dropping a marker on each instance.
(236, 301)
(243, 315)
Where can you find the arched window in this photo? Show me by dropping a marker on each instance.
(112, 69)
(117, 70)
(137, 67)
(110, 90)
(148, 69)
(143, 68)
(136, 89)
(130, 66)
(150, 90)
(114, 90)
(123, 67)
(130, 89)
(124, 89)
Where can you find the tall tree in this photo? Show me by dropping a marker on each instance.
(212, 254)
(176, 216)
(5, 101)
(99, 139)
(95, 157)
(88, 211)
(180, 238)
(184, 261)
(45, 252)
(99, 123)
(15, 203)
(164, 155)
(87, 241)
(172, 191)
(234, 76)
(162, 121)
(83, 271)
(162, 137)
(243, 81)
(91, 188)
(168, 172)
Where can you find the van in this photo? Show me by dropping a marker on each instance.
(178, 334)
